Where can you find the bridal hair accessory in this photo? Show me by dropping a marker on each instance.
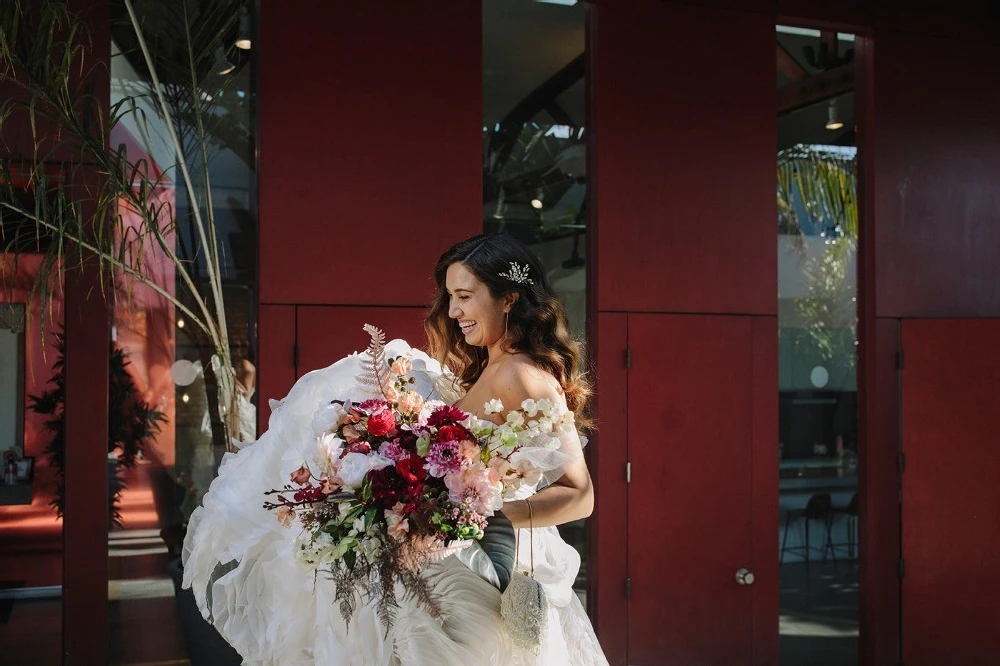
(523, 605)
(518, 274)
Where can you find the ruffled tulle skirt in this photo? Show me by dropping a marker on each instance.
(239, 562)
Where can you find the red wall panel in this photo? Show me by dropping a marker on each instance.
(607, 567)
(878, 494)
(951, 523)
(327, 334)
(685, 189)
(370, 147)
(937, 178)
(691, 399)
(764, 442)
(276, 356)
(825, 13)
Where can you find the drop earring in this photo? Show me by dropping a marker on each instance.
(506, 318)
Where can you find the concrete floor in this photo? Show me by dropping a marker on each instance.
(819, 614)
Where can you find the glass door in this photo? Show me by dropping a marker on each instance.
(817, 320)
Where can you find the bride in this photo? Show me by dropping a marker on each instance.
(499, 327)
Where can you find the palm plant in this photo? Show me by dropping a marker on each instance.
(77, 198)
(819, 186)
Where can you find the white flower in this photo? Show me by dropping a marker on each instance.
(545, 406)
(354, 467)
(330, 447)
(545, 424)
(494, 406)
(326, 417)
(529, 406)
(515, 419)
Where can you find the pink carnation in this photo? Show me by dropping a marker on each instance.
(443, 458)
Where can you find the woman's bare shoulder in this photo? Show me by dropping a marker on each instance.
(518, 378)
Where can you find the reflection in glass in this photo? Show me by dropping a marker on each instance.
(534, 149)
(817, 323)
(207, 84)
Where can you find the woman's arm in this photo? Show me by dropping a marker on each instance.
(570, 497)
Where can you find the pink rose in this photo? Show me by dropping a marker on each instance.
(401, 367)
(301, 475)
(390, 393)
(382, 423)
(411, 402)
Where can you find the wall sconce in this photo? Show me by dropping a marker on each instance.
(832, 117)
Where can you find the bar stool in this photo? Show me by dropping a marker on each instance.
(851, 512)
(818, 508)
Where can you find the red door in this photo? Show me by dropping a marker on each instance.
(702, 443)
(951, 519)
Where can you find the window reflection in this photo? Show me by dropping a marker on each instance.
(817, 323)
(534, 149)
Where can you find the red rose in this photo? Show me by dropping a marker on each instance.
(453, 433)
(411, 470)
(381, 424)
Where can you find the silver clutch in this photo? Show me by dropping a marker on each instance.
(523, 605)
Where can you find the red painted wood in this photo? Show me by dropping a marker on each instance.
(327, 334)
(276, 350)
(937, 198)
(878, 493)
(685, 192)
(690, 517)
(835, 14)
(976, 19)
(85, 521)
(951, 524)
(371, 147)
(878, 411)
(607, 567)
(764, 479)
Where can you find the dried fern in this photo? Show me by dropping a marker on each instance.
(374, 369)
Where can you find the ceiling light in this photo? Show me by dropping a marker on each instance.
(222, 64)
(832, 117)
(538, 202)
(243, 36)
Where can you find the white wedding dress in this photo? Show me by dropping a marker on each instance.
(238, 560)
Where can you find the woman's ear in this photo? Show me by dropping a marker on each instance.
(510, 299)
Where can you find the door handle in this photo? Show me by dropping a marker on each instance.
(744, 577)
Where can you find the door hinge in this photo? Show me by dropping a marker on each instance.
(899, 359)
(901, 462)
(295, 356)
(902, 568)
(628, 588)
(628, 357)
(628, 472)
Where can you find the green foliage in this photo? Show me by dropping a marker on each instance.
(75, 198)
(132, 422)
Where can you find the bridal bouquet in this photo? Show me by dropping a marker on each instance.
(398, 481)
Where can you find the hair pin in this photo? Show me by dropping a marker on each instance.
(518, 274)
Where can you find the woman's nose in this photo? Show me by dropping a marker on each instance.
(454, 311)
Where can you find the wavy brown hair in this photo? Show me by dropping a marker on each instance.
(537, 325)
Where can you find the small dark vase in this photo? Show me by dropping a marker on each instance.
(206, 647)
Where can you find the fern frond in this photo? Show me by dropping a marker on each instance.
(374, 369)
